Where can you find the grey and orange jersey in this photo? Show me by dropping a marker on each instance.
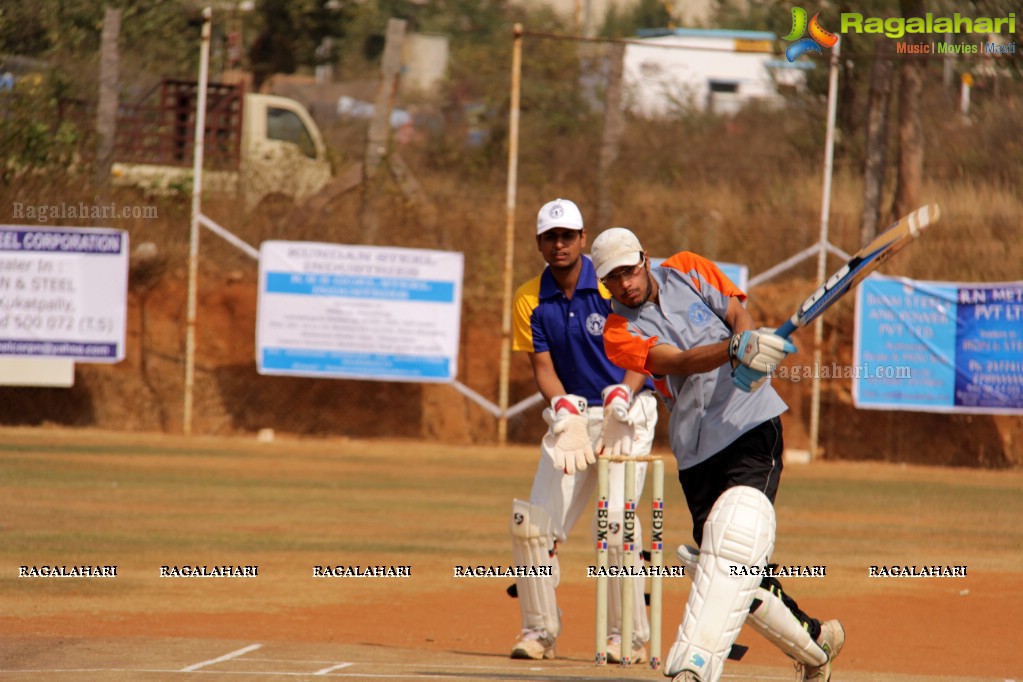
(708, 412)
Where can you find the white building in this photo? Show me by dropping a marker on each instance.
(676, 70)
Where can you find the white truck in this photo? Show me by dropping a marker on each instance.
(262, 148)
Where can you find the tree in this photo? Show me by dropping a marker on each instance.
(911, 134)
(876, 149)
(625, 23)
(289, 33)
(273, 50)
(155, 35)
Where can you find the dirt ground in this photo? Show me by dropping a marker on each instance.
(143, 501)
(895, 637)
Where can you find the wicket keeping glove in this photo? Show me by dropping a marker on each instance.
(617, 432)
(761, 350)
(568, 440)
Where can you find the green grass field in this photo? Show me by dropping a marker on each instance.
(145, 501)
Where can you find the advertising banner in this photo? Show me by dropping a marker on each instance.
(943, 346)
(358, 312)
(63, 292)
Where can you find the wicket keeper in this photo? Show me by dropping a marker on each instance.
(558, 319)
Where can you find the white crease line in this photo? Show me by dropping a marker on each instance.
(332, 668)
(225, 657)
(311, 661)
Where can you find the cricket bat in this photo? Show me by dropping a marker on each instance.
(866, 260)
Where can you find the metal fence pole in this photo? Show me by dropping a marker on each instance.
(822, 256)
(509, 235)
(193, 244)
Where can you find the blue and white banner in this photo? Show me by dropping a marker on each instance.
(358, 312)
(951, 346)
(63, 292)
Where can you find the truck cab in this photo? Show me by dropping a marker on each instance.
(283, 154)
(257, 147)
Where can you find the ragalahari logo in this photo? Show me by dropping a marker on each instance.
(819, 36)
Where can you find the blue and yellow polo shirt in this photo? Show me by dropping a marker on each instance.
(572, 330)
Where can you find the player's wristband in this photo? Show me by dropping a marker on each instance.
(617, 392)
(568, 404)
(733, 346)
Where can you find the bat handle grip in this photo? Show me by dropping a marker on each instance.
(786, 329)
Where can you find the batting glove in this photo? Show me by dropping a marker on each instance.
(568, 439)
(760, 349)
(747, 379)
(617, 432)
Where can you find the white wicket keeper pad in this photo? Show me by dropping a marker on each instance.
(532, 539)
(739, 532)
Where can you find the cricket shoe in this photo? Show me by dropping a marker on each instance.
(614, 650)
(534, 645)
(686, 676)
(831, 639)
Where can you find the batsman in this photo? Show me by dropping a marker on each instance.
(684, 324)
(594, 407)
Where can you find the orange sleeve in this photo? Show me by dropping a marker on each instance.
(624, 348)
(693, 264)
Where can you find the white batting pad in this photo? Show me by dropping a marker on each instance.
(532, 541)
(738, 533)
(780, 627)
(772, 619)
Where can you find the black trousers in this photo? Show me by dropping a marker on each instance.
(754, 459)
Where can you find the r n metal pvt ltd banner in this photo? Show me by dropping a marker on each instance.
(959, 346)
(358, 312)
